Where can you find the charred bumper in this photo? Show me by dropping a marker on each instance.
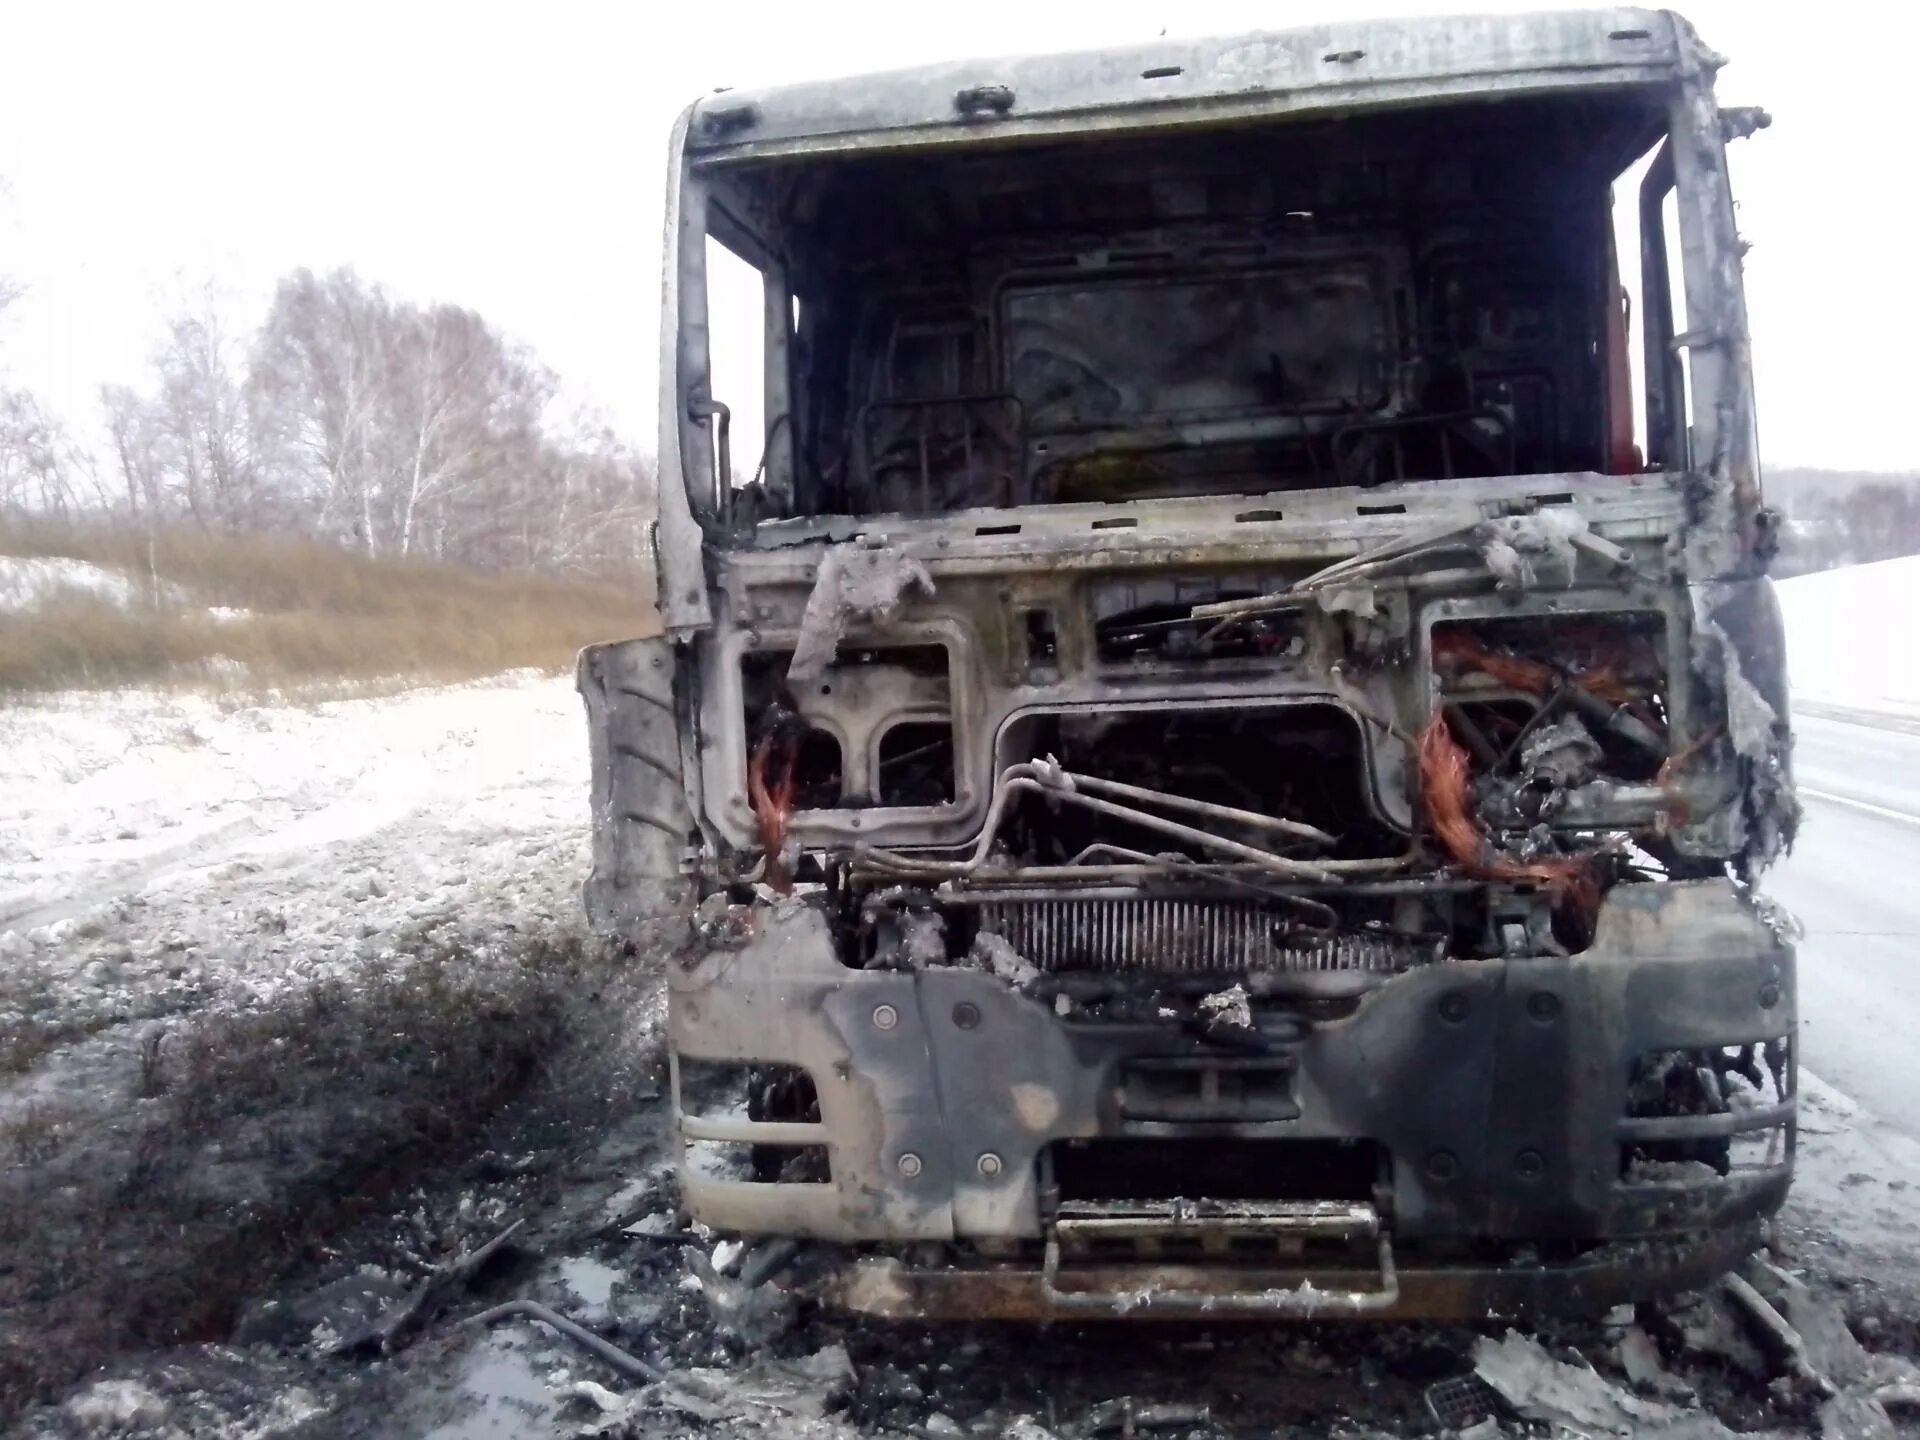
(1543, 1131)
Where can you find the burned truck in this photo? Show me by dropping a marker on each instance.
(1218, 762)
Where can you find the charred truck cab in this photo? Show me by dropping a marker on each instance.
(1219, 764)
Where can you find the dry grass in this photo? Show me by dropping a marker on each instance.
(314, 616)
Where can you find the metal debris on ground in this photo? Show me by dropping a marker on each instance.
(609, 1354)
(1707, 1327)
(591, 1394)
(1780, 1338)
(1127, 1418)
(804, 1389)
(431, 1295)
(1808, 1336)
(1575, 1398)
(1640, 1359)
(1462, 1402)
(1227, 1009)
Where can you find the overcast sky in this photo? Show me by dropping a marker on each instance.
(510, 159)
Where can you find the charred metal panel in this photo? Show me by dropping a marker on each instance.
(1203, 81)
(1499, 1089)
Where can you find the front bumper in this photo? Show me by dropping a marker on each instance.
(1498, 1091)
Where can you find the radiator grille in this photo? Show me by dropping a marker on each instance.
(1181, 936)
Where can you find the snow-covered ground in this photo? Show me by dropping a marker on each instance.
(167, 845)
(1853, 635)
(27, 582)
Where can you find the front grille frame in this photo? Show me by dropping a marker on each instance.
(1181, 936)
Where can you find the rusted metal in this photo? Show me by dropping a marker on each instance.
(894, 1290)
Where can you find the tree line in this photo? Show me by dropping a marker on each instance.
(1835, 518)
(392, 428)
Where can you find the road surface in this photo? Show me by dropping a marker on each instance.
(1854, 881)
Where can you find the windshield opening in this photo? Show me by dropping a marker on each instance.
(1413, 295)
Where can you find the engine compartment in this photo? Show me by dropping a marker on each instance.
(1292, 778)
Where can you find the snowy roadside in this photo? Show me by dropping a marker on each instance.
(1837, 626)
(162, 849)
(264, 968)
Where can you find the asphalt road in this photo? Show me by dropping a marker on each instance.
(1854, 881)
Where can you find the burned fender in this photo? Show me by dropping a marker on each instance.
(1740, 652)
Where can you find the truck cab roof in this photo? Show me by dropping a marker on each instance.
(1211, 81)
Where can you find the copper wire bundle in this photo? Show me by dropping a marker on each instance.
(770, 789)
(1445, 789)
(1464, 651)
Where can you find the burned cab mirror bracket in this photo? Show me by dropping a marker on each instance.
(1737, 122)
(703, 409)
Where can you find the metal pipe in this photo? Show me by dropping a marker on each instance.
(896, 866)
(1250, 818)
(1047, 779)
(1448, 534)
(1134, 875)
(768, 1261)
(631, 1367)
(1273, 864)
(1786, 1341)
(1182, 868)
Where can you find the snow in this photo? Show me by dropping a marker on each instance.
(27, 582)
(165, 851)
(1851, 635)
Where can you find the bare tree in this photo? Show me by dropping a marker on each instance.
(39, 464)
(141, 452)
(412, 422)
(198, 446)
(208, 422)
(318, 371)
(393, 428)
(464, 410)
(587, 509)
(32, 446)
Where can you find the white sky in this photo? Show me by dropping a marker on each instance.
(510, 159)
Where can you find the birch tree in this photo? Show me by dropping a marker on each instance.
(208, 423)
(464, 411)
(139, 450)
(318, 371)
(392, 428)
